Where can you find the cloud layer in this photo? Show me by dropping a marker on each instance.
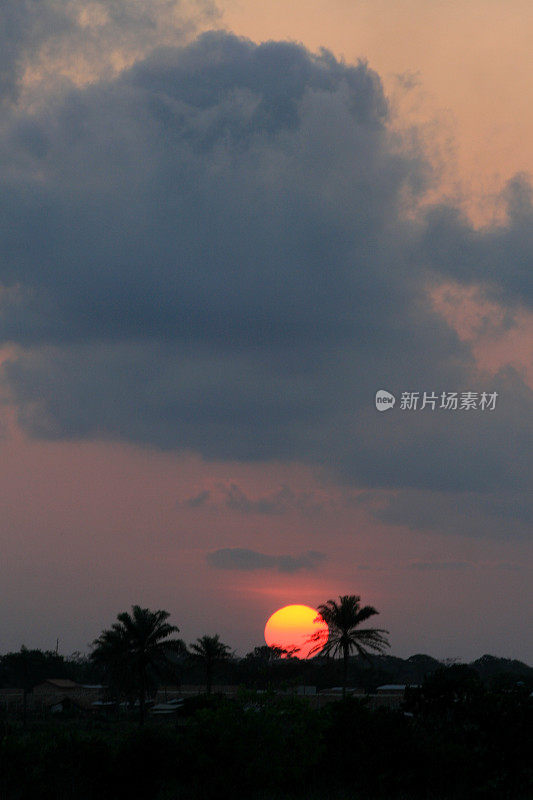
(48, 43)
(210, 251)
(240, 558)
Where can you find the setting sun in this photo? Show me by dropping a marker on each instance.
(292, 626)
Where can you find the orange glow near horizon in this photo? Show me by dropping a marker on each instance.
(292, 626)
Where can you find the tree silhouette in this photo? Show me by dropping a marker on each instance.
(344, 635)
(272, 652)
(135, 645)
(26, 668)
(210, 650)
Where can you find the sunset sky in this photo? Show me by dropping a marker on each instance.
(224, 227)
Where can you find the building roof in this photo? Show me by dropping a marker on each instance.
(396, 687)
(62, 683)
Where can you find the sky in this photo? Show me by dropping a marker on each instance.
(224, 228)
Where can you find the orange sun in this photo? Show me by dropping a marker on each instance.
(292, 626)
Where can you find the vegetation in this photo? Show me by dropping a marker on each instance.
(345, 636)
(210, 650)
(136, 645)
(26, 668)
(474, 747)
(461, 732)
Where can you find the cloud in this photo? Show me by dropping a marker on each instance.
(209, 251)
(276, 503)
(238, 558)
(408, 80)
(498, 515)
(197, 501)
(500, 258)
(440, 566)
(47, 44)
(283, 500)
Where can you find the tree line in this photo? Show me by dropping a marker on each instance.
(463, 732)
(140, 651)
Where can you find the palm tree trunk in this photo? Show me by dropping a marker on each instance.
(142, 694)
(208, 677)
(344, 670)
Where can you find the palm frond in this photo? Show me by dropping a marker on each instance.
(343, 618)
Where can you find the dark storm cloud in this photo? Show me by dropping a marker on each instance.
(208, 252)
(179, 201)
(248, 560)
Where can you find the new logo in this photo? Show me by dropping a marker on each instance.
(384, 400)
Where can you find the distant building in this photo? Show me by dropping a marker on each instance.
(53, 686)
(53, 692)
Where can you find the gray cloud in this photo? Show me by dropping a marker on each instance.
(49, 43)
(440, 566)
(499, 514)
(281, 501)
(238, 558)
(208, 252)
(197, 501)
(408, 80)
(275, 503)
(500, 258)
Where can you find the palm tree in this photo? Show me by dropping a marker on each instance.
(134, 645)
(210, 650)
(344, 635)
